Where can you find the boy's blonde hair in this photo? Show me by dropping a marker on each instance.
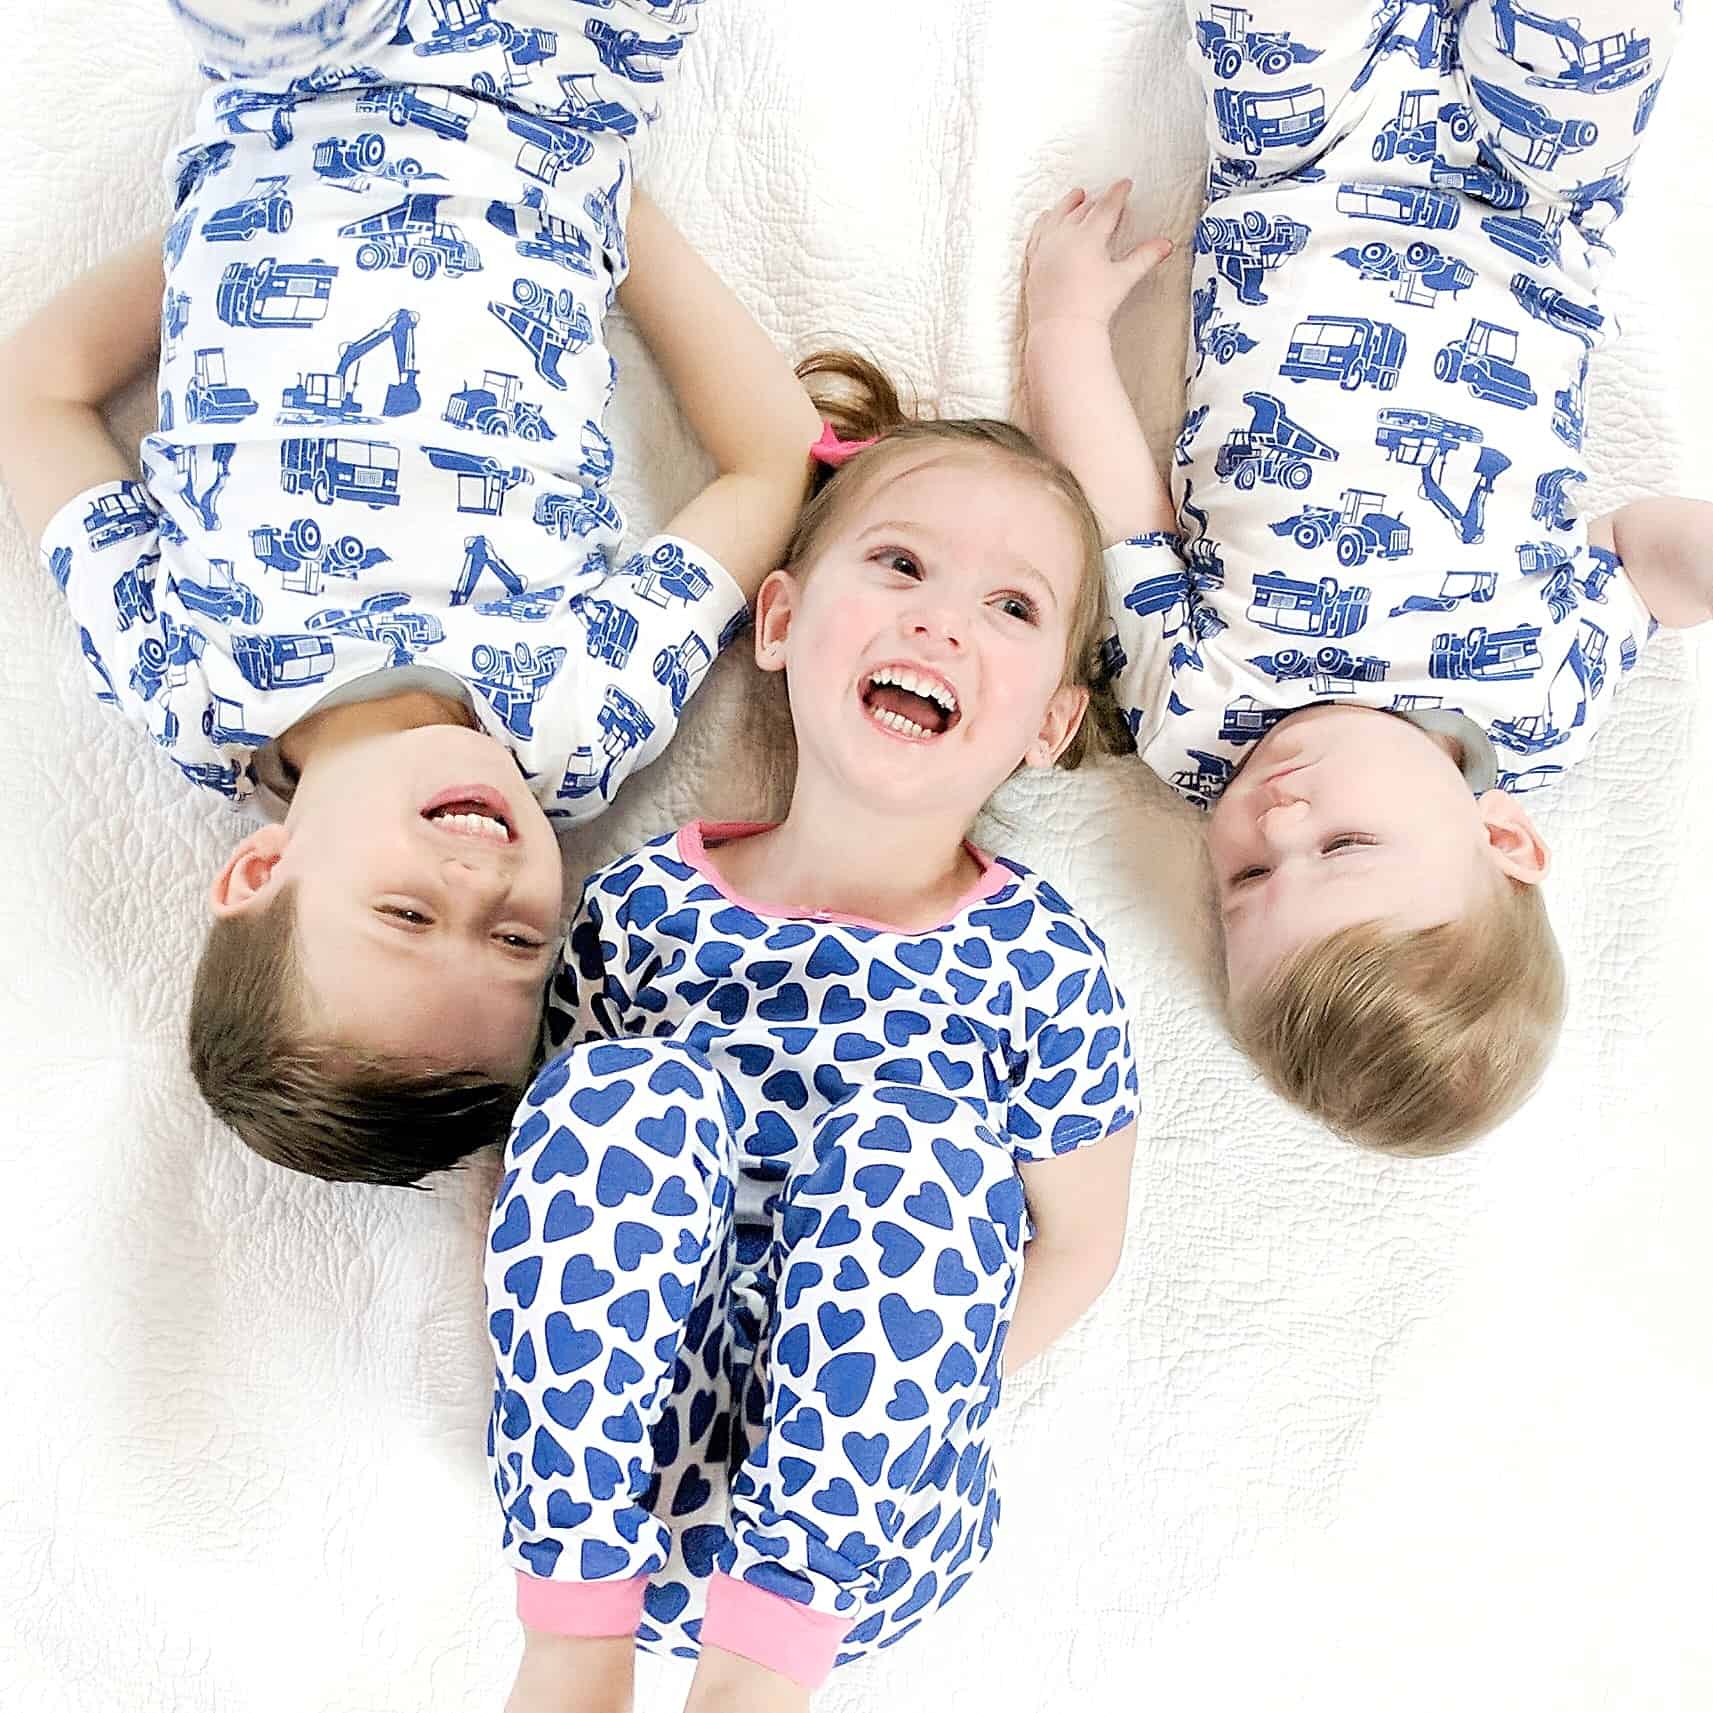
(1418, 1042)
(317, 1106)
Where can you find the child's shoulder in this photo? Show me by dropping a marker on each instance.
(1027, 909)
(656, 862)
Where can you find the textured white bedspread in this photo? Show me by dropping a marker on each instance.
(1346, 1434)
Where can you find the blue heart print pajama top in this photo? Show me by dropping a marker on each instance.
(756, 1249)
(380, 461)
(1394, 308)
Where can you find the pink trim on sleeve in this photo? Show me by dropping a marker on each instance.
(693, 849)
(794, 1640)
(580, 1608)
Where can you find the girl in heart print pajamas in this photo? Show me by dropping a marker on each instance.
(755, 1250)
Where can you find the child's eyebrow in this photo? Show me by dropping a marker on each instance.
(906, 526)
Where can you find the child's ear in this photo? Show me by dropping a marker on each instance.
(248, 879)
(1058, 725)
(775, 602)
(1513, 838)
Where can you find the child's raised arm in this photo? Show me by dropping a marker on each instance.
(1073, 285)
(58, 369)
(1667, 549)
(745, 405)
(1079, 1205)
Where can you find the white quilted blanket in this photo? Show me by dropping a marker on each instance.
(1344, 1434)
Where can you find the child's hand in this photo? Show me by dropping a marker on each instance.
(1080, 264)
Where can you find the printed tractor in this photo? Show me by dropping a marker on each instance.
(1360, 531)
(1224, 36)
(495, 408)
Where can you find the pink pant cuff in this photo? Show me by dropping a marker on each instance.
(580, 1608)
(782, 1635)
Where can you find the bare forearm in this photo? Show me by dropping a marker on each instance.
(98, 333)
(61, 366)
(1057, 1288)
(1667, 549)
(745, 405)
(1080, 412)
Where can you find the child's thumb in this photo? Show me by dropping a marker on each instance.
(1146, 257)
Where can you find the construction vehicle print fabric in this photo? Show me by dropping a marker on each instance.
(1395, 300)
(382, 384)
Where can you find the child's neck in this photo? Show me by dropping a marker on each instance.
(836, 860)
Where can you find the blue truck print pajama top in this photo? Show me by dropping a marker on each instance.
(1395, 302)
(382, 385)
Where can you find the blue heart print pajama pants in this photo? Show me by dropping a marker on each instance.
(756, 1250)
(865, 1499)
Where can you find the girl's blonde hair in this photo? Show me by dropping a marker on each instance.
(862, 404)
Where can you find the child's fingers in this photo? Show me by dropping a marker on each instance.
(1048, 218)
(1108, 208)
(1141, 261)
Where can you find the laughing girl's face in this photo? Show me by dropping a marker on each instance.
(926, 641)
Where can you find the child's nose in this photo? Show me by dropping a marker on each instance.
(474, 879)
(931, 621)
(1283, 819)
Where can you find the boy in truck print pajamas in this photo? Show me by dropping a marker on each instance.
(1394, 307)
(380, 458)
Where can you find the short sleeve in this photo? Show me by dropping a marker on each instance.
(655, 626)
(142, 644)
(1153, 601)
(586, 1001)
(1074, 1080)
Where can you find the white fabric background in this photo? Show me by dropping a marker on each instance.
(1345, 1433)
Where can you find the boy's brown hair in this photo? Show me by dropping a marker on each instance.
(1418, 1042)
(317, 1106)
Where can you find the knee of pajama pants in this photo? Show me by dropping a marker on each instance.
(1284, 84)
(897, 1258)
(1563, 94)
(254, 38)
(609, 1238)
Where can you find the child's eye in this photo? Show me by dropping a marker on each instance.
(520, 942)
(414, 917)
(895, 559)
(1019, 607)
(1247, 874)
(1346, 841)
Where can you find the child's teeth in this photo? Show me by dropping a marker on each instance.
(483, 825)
(898, 723)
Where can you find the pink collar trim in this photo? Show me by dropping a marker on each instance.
(693, 849)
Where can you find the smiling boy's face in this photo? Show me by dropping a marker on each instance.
(1344, 815)
(428, 887)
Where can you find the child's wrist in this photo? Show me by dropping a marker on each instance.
(1070, 323)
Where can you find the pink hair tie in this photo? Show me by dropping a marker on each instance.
(833, 451)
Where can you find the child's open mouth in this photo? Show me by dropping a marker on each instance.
(909, 702)
(472, 812)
